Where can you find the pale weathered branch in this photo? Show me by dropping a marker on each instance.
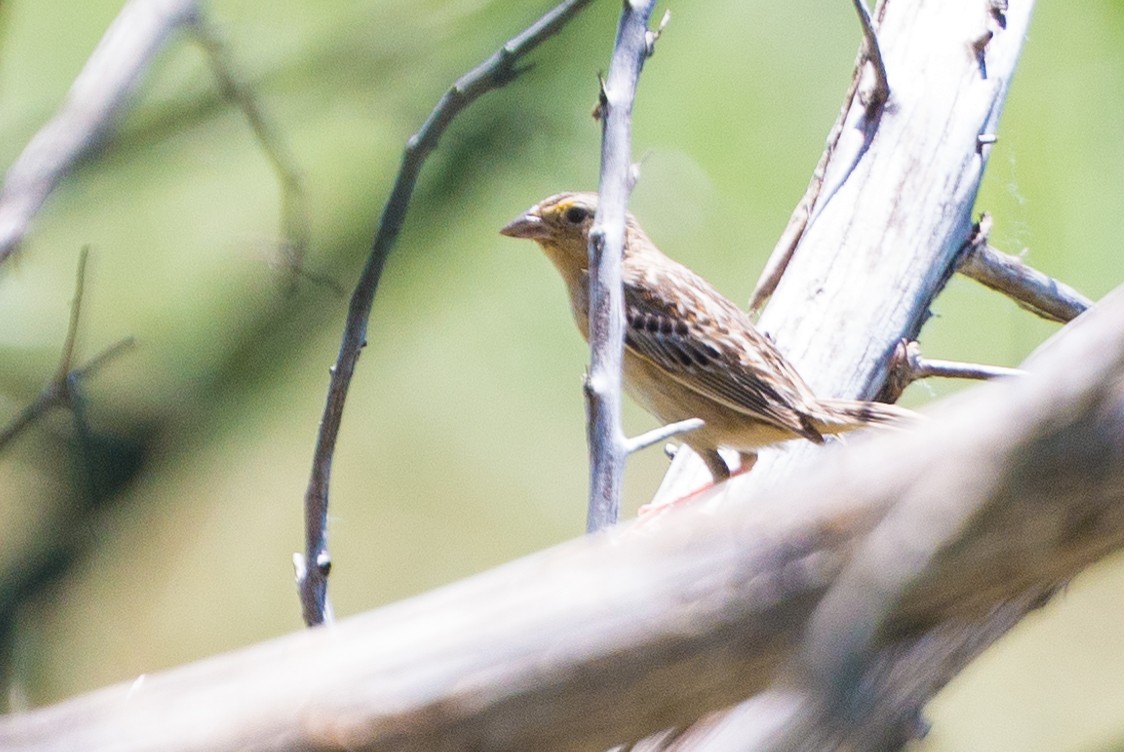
(499, 69)
(89, 112)
(905, 539)
(608, 447)
(884, 239)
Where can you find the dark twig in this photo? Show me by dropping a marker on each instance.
(295, 224)
(89, 112)
(499, 69)
(607, 443)
(63, 390)
(1029, 288)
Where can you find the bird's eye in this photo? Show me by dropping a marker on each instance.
(575, 215)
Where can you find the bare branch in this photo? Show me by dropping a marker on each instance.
(1029, 288)
(496, 71)
(67, 357)
(63, 388)
(89, 112)
(607, 444)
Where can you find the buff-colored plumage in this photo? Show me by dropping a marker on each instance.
(690, 352)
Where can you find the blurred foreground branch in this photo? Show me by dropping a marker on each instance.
(888, 552)
(64, 389)
(89, 112)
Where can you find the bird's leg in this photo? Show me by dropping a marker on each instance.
(719, 472)
(749, 459)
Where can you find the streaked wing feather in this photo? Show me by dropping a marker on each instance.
(711, 348)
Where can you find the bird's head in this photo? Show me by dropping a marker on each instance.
(560, 224)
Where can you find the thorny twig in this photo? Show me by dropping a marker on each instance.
(608, 446)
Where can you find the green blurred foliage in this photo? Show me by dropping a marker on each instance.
(463, 441)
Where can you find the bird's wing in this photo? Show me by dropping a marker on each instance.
(677, 321)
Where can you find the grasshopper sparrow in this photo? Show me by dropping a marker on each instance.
(689, 352)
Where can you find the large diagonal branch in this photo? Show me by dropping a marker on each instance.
(1017, 485)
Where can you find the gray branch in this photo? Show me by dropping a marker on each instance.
(63, 390)
(1029, 288)
(607, 444)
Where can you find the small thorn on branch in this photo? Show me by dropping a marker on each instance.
(602, 98)
(998, 11)
(651, 36)
(1029, 288)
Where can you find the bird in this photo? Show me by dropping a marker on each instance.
(689, 352)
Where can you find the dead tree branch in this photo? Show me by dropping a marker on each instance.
(63, 389)
(608, 447)
(614, 636)
(1029, 288)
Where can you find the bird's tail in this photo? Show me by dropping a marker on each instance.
(842, 415)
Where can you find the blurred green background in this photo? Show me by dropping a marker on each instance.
(463, 441)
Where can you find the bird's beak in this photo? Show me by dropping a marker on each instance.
(527, 225)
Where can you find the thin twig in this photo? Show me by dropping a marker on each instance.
(907, 365)
(63, 390)
(1029, 288)
(951, 369)
(663, 433)
(607, 443)
(67, 356)
(295, 223)
(499, 69)
(89, 112)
